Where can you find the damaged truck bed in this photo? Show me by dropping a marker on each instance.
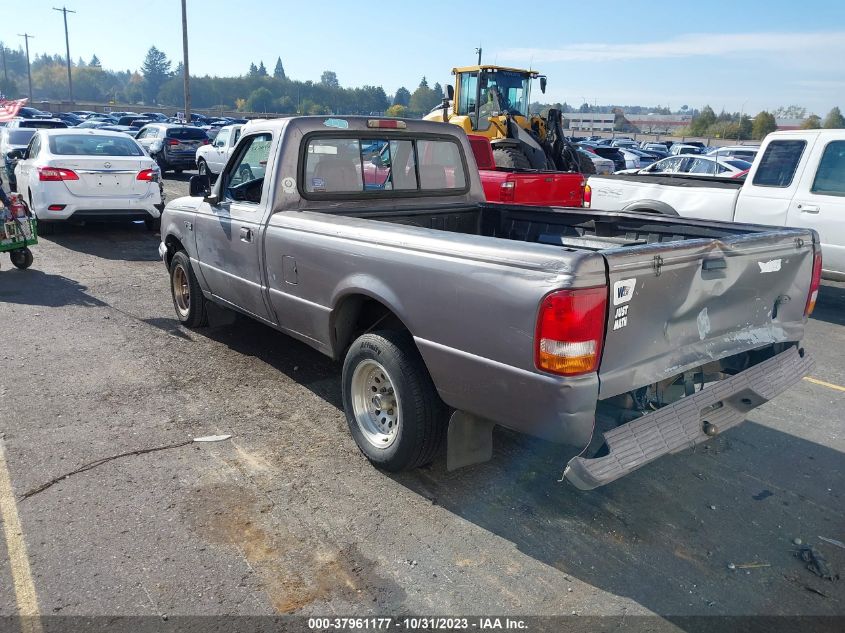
(625, 335)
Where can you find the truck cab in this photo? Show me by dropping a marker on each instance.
(212, 158)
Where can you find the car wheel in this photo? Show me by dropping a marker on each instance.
(21, 258)
(393, 410)
(162, 165)
(202, 168)
(185, 290)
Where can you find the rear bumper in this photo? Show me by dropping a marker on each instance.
(181, 160)
(105, 210)
(680, 425)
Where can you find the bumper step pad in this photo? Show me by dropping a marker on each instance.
(678, 426)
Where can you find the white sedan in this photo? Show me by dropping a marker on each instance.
(88, 175)
(698, 165)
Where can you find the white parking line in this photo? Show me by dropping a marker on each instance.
(25, 595)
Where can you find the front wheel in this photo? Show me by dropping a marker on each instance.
(510, 158)
(21, 258)
(392, 408)
(185, 290)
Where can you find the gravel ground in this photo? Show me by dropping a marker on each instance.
(288, 517)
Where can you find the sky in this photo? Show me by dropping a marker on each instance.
(740, 56)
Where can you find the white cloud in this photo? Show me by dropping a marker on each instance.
(820, 47)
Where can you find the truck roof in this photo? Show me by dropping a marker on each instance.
(825, 134)
(355, 123)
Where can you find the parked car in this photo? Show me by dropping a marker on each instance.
(28, 112)
(118, 115)
(685, 148)
(692, 164)
(658, 149)
(11, 140)
(211, 158)
(71, 119)
(611, 153)
(130, 119)
(125, 129)
(600, 165)
(83, 114)
(36, 124)
(797, 179)
(552, 322)
(93, 124)
(745, 152)
(636, 159)
(174, 147)
(158, 117)
(88, 175)
(106, 118)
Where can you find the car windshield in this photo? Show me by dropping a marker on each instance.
(20, 137)
(509, 87)
(741, 165)
(42, 123)
(93, 145)
(187, 133)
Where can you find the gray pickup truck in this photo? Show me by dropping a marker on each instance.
(624, 335)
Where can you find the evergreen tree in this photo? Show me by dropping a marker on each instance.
(262, 70)
(834, 120)
(156, 70)
(402, 97)
(279, 71)
(764, 124)
(253, 70)
(95, 62)
(329, 79)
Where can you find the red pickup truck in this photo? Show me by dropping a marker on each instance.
(531, 187)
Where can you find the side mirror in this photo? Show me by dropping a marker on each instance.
(199, 186)
(543, 84)
(16, 154)
(450, 91)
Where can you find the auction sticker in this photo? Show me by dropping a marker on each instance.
(288, 185)
(341, 124)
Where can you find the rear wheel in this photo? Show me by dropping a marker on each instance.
(21, 258)
(510, 158)
(392, 408)
(185, 290)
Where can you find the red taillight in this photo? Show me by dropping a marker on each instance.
(149, 175)
(172, 142)
(570, 331)
(588, 195)
(56, 207)
(205, 141)
(815, 282)
(55, 174)
(507, 190)
(392, 124)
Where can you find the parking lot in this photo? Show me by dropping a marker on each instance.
(288, 517)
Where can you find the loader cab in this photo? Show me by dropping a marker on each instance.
(485, 91)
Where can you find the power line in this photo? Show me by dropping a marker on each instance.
(27, 37)
(65, 11)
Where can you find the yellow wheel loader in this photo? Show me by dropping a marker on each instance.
(493, 101)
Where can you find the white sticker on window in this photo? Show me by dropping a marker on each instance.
(623, 290)
(769, 267)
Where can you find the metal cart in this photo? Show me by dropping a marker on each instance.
(16, 236)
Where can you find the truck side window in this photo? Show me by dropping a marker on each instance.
(778, 164)
(221, 138)
(830, 177)
(440, 165)
(244, 179)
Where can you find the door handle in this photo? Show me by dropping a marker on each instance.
(246, 234)
(808, 208)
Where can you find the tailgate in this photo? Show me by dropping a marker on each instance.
(676, 305)
(550, 188)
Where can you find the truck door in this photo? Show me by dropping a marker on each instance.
(228, 233)
(820, 201)
(773, 181)
(221, 149)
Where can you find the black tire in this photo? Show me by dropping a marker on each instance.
(162, 164)
(421, 422)
(21, 258)
(191, 310)
(153, 224)
(511, 158)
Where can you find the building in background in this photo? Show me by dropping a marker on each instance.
(590, 121)
(659, 123)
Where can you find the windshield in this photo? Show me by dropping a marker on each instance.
(94, 145)
(505, 91)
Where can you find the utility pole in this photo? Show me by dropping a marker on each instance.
(65, 11)
(5, 71)
(187, 74)
(478, 50)
(26, 37)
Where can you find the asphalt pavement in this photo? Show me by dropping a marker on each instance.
(288, 517)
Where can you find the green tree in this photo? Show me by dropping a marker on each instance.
(279, 71)
(156, 70)
(253, 70)
(329, 79)
(397, 110)
(402, 97)
(764, 124)
(260, 100)
(95, 61)
(812, 122)
(790, 112)
(262, 70)
(423, 99)
(834, 120)
(701, 123)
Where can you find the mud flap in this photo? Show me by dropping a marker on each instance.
(681, 425)
(469, 440)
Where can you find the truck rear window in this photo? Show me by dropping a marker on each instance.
(376, 165)
(777, 166)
